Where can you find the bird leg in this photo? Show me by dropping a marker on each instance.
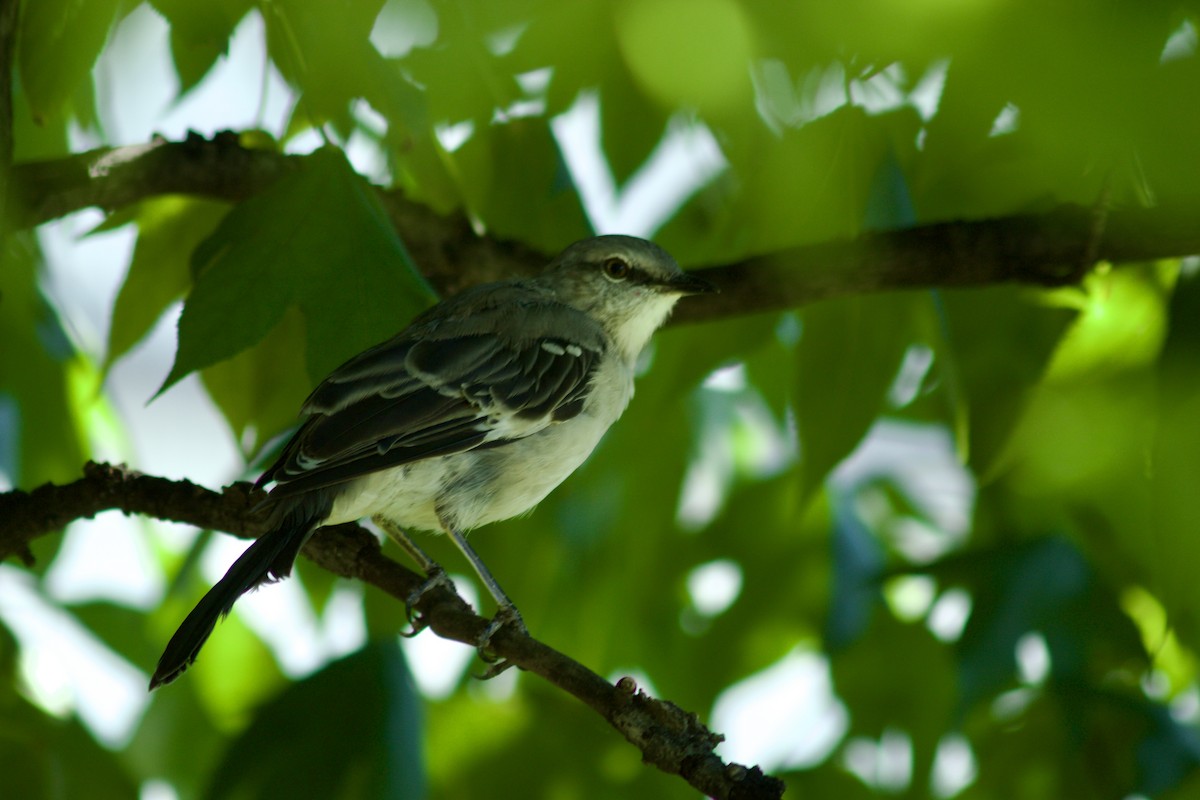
(506, 614)
(434, 574)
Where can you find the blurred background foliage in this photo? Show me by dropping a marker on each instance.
(918, 544)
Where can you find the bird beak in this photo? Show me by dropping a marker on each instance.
(689, 283)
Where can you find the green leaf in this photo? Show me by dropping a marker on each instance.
(858, 562)
(1173, 551)
(177, 739)
(471, 84)
(552, 40)
(898, 676)
(355, 286)
(514, 177)
(325, 50)
(351, 730)
(200, 34)
(259, 390)
(169, 229)
(691, 53)
(849, 354)
(37, 139)
(1078, 740)
(46, 758)
(998, 344)
(120, 627)
(60, 41)
(39, 440)
(1041, 585)
(816, 182)
(630, 125)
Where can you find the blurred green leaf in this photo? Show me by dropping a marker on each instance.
(631, 126)
(849, 355)
(325, 50)
(367, 745)
(200, 34)
(41, 138)
(856, 593)
(273, 252)
(513, 175)
(43, 757)
(689, 53)
(898, 677)
(578, 62)
(1073, 740)
(828, 780)
(475, 84)
(60, 41)
(994, 378)
(1176, 461)
(1042, 586)
(479, 748)
(120, 627)
(38, 365)
(815, 182)
(177, 739)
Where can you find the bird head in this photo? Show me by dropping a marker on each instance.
(627, 284)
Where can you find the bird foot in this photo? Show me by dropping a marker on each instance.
(506, 615)
(435, 577)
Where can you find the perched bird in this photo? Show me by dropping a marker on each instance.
(471, 415)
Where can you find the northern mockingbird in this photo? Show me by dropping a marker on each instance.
(472, 414)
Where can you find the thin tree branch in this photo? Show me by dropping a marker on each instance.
(1054, 248)
(670, 738)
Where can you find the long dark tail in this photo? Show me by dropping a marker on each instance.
(266, 560)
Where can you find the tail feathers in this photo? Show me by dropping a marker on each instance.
(266, 560)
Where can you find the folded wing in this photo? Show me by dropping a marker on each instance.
(462, 386)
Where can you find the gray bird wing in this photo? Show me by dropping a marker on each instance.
(446, 385)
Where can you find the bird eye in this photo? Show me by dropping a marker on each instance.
(616, 269)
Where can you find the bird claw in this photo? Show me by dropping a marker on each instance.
(435, 577)
(505, 616)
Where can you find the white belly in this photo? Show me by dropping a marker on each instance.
(486, 485)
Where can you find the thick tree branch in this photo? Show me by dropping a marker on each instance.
(1054, 248)
(670, 738)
